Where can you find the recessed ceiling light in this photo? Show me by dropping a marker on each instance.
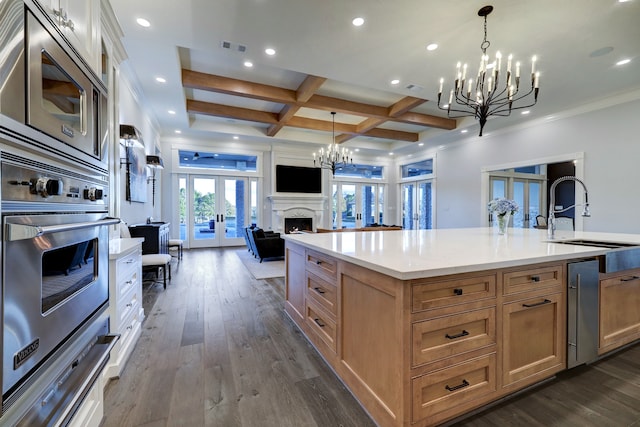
(524, 113)
(623, 1)
(178, 131)
(161, 80)
(236, 137)
(421, 144)
(391, 153)
(357, 21)
(464, 131)
(623, 62)
(356, 150)
(270, 51)
(248, 64)
(171, 112)
(432, 46)
(143, 22)
(395, 81)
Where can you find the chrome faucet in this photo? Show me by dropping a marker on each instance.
(551, 223)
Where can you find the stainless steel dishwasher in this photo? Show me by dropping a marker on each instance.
(582, 312)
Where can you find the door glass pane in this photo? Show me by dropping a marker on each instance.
(204, 208)
(518, 196)
(253, 219)
(182, 207)
(534, 202)
(234, 196)
(381, 205)
(335, 207)
(424, 206)
(407, 207)
(348, 214)
(368, 204)
(498, 188)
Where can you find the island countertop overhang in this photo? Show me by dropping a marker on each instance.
(413, 254)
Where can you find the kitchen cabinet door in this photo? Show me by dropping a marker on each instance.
(619, 311)
(534, 339)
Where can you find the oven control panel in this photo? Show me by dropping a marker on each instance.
(27, 184)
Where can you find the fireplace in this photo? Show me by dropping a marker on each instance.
(296, 207)
(298, 224)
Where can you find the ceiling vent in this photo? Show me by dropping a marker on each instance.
(233, 46)
(414, 88)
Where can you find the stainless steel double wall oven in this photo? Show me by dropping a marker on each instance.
(54, 215)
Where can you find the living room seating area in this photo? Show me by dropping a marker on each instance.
(264, 244)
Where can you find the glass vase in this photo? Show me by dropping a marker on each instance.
(502, 221)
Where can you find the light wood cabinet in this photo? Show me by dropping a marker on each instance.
(423, 351)
(295, 278)
(619, 310)
(534, 339)
(435, 339)
(447, 390)
(125, 300)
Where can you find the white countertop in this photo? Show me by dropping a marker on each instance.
(118, 246)
(410, 254)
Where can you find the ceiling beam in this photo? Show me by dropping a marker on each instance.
(400, 107)
(229, 86)
(218, 110)
(308, 87)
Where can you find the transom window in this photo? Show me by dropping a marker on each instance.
(425, 167)
(361, 171)
(220, 161)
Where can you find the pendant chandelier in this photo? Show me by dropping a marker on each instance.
(484, 97)
(333, 157)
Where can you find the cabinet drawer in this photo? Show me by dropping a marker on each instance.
(322, 265)
(126, 266)
(436, 339)
(447, 388)
(128, 308)
(426, 296)
(515, 282)
(321, 324)
(322, 292)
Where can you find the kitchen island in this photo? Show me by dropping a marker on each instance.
(425, 326)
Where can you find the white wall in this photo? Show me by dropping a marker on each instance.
(611, 145)
(131, 112)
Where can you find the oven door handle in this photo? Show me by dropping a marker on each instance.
(22, 231)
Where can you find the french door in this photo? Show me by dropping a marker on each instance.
(215, 209)
(527, 193)
(417, 205)
(357, 204)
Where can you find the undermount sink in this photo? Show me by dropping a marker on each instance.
(622, 256)
(596, 243)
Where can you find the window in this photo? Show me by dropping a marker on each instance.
(424, 167)
(360, 171)
(218, 161)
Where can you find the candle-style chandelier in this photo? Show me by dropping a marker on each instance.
(484, 98)
(333, 157)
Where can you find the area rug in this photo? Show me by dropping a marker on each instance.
(261, 270)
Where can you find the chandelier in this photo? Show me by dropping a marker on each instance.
(333, 157)
(484, 97)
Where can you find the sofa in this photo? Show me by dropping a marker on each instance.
(264, 244)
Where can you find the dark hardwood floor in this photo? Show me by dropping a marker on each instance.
(217, 350)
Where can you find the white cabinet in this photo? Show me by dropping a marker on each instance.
(125, 300)
(79, 22)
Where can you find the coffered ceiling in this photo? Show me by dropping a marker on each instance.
(323, 63)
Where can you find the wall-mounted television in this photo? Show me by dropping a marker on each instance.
(298, 179)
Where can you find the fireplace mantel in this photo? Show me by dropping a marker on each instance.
(296, 205)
